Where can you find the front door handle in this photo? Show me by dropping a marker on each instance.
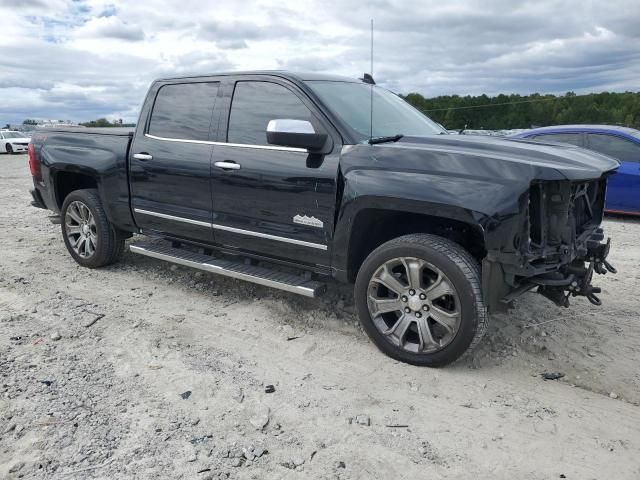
(142, 156)
(227, 165)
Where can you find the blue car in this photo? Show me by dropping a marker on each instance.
(623, 191)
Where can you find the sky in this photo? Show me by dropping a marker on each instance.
(84, 59)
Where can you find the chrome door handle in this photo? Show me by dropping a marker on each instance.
(142, 156)
(228, 165)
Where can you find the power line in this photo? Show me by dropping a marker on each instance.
(504, 103)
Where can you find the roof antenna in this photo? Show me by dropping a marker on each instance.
(371, 83)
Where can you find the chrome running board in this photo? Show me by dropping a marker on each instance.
(240, 270)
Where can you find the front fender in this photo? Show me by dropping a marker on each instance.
(493, 207)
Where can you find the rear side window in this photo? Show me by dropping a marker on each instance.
(183, 111)
(572, 138)
(255, 103)
(615, 147)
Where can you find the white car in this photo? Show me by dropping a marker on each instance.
(13, 142)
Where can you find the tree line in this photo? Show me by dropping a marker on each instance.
(103, 122)
(526, 111)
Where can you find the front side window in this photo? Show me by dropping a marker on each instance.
(615, 147)
(255, 104)
(571, 138)
(183, 111)
(351, 101)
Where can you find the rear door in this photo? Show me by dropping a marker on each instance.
(269, 200)
(623, 189)
(170, 160)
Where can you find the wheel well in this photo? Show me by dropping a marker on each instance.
(67, 182)
(373, 227)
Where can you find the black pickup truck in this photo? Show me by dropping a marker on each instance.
(285, 179)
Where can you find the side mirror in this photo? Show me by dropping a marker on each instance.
(294, 133)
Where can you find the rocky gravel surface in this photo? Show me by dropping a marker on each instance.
(148, 370)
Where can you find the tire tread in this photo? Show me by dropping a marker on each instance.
(464, 261)
(110, 244)
(469, 266)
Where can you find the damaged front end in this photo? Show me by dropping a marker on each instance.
(558, 248)
(575, 278)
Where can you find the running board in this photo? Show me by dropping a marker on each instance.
(242, 271)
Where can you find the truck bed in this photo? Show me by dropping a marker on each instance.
(118, 131)
(70, 156)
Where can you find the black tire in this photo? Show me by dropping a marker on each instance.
(9, 148)
(109, 244)
(461, 270)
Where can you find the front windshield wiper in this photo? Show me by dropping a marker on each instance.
(392, 138)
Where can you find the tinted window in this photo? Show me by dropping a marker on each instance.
(183, 111)
(572, 138)
(615, 147)
(351, 101)
(255, 103)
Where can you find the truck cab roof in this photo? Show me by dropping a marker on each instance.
(293, 76)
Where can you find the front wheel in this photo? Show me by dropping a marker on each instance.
(88, 235)
(418, 298)
(9, 148)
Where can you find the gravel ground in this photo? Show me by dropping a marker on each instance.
(149, 370)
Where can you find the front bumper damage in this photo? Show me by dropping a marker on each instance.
(575, 279)
(571, 280)
(565, 246)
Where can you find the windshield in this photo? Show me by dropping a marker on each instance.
(391, 114)
(12, 135)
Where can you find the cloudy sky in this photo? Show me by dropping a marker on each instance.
(86, 59)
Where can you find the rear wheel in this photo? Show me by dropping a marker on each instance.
(419, 300)
(88, 235)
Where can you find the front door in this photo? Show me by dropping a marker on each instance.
(269, 200)
(623, 189)
(170, 162)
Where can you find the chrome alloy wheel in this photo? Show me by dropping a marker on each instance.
(80, 229)
(414, 305)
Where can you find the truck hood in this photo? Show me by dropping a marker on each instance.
(571, 162)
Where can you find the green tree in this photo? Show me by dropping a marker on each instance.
(103, 122)
(100, 122)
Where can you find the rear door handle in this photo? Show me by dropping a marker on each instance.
(142, 156)
(227, 165)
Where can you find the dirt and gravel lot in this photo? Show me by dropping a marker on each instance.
(149, 370)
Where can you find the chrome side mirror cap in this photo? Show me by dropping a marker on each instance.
(287, 125)
(288, 132)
